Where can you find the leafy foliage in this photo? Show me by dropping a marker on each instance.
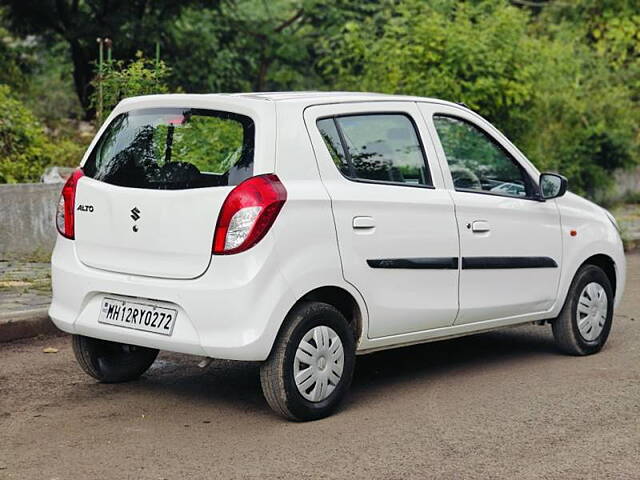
(212, 144)
(26, 148)
(551, 94)
(47, 89)
(119, 80)
(256, 44)
(133, 25)
(15, 60)
(23, 146)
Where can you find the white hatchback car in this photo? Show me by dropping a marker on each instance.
(302, 229)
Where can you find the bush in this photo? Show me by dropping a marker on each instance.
(23, 145)
(119, 80)
(67, 152)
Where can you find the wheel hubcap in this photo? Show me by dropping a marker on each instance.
(319, 362)
(591, 314)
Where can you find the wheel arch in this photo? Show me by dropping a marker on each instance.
(607, 264)
(611, 264)
(342, 300)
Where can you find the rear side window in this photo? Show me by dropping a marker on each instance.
(174, 148)
(376, 147)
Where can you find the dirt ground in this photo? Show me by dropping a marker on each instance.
(497, 405)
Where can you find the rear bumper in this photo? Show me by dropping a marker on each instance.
(233, 311)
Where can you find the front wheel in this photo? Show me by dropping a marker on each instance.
(111, 362)
(583, 326)
(311, 364)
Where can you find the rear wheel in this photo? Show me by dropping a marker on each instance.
(311, 364)
(111, 362)
(583, 326)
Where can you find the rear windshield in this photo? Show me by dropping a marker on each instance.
(174, 148)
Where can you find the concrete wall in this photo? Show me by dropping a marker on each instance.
(627, 182)
(27, 216)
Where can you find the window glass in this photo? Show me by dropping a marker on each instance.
(174, 148)
(476, 162)
(330, 136)
(378, 147)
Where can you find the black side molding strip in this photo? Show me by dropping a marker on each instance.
(485, 263)
(426, 263)
(468, 263)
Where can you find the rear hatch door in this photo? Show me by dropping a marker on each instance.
(154, 184)
(146, 232)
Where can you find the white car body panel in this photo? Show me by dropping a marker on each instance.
(511, 226)
(518, 228)
(173, 234)
(232, 306)
(215, 317)
(308, 251)
(403, 221)
(595, 235)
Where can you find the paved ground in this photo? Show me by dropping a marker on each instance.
(24, 286)
(498, 405)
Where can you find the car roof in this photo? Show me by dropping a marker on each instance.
(300, 99)
(315, 97)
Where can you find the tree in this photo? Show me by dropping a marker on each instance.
(132, 25)
(479, 53)
(256, 44)
(611, 28)
(565, 105)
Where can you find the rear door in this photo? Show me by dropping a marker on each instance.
(154, 184)
(510, 241)
(395, 224)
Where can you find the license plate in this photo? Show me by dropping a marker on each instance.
(146, 316)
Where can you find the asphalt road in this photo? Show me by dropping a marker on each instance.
(497, 405)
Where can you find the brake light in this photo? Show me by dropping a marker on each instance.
(65, 214)
(248, 213)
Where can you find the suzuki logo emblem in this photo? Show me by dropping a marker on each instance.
(135, 214)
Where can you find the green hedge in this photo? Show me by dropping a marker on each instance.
(24, 150)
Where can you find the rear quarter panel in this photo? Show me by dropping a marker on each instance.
(307, 245)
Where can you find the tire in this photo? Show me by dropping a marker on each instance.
(568, 336)
(277, 373)
(111, 362)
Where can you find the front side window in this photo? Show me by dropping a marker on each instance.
(477, 162)
(376, 147)
(174, 148)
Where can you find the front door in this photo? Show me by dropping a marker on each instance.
(395, 222)
(510, 241)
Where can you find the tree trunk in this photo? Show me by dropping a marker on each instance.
(82, 76)
(261, 81)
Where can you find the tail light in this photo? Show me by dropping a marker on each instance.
(65, 215)
(248, 213)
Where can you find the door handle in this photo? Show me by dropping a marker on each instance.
(479, 226)
(362, 223)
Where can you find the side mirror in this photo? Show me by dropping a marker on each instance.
(552, 185)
